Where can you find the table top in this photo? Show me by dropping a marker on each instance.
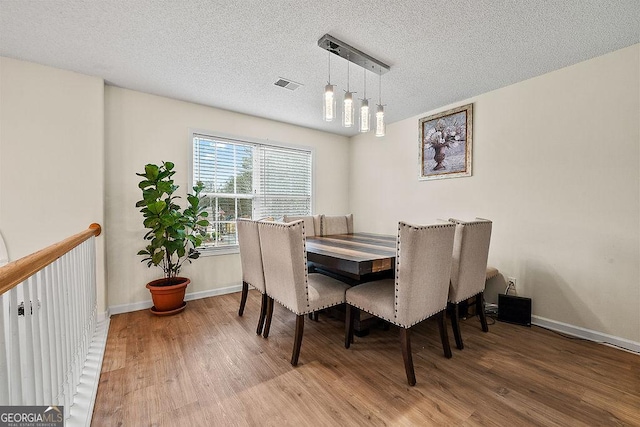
(353, 255)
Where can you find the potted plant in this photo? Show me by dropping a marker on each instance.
(173, 235)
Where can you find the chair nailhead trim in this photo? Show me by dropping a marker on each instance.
(394, 321)
(306, 311)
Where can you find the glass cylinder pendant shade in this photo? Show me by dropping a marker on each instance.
(329, 104)
(364, 116)
(347, 115)
(380, 128)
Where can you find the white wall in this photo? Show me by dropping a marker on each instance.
(556, 166)
(51, 157)
(141, 129)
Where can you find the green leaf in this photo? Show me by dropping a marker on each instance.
(157, 257)
(151, 172)
(193, 200)
(144, 184)
(166, 187)
(157, 207)
(203, 223)
(168, 165)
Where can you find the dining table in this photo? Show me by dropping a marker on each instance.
(354, 259)
(356, 256)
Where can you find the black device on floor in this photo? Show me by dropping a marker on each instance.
(514, 309)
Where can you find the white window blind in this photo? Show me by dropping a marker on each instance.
(284, 182)
(249, 180)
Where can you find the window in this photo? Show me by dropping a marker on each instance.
(248, 180)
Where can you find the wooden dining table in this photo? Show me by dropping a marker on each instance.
(357, 256)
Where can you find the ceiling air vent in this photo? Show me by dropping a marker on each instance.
(287, 84)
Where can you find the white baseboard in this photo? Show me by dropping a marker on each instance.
(126, 308)
(213, 292)
(101, 317)
(586, 334)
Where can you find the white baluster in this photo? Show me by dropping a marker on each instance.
(37, 337)
(56, 307)
(61, 331)
(27, 359)
(66, 326)
(4, 351)
(48, 337)
(15, 371)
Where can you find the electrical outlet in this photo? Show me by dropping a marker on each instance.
(511, 282)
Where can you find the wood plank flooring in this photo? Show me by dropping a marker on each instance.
(207, 367)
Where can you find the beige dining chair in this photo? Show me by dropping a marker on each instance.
(251, 261)
(312, 223)
(287, 280)
(336, 224)
(469, 270)
(419, 290)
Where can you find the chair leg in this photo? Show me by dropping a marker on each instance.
(243, 297)
(267, 322)
(263, 313)
(348, 326)
(297, 342)
(455, 324)
(405, 342)
(480, 311)
(444, 337)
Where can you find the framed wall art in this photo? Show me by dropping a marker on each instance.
(445, 144)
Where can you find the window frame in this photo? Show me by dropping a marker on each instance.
(235, 139)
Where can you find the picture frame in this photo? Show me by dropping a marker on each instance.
(445, 144)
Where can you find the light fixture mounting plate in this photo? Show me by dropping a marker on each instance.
(352, 54)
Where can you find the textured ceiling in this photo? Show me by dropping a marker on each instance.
(229, 54)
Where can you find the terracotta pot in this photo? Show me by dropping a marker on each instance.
(168, 294)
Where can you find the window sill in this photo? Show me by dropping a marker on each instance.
(219, 251)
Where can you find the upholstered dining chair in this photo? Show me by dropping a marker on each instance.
(287, 280)
(469, 270)
(336, 224)
(312, 223)
(419, 290)
(251, 261)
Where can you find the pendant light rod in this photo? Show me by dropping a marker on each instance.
(351, 54)
(380, 89)
(365, 84)
(347, 72)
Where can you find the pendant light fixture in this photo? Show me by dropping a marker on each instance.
(329, 102)
(351, 54)
(347, 110)
(380, 126)
(364, 108)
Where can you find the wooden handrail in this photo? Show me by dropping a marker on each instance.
(18, 271)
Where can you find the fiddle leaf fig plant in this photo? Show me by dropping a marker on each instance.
(173, 234)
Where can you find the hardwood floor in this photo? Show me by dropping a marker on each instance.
(207, 367)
